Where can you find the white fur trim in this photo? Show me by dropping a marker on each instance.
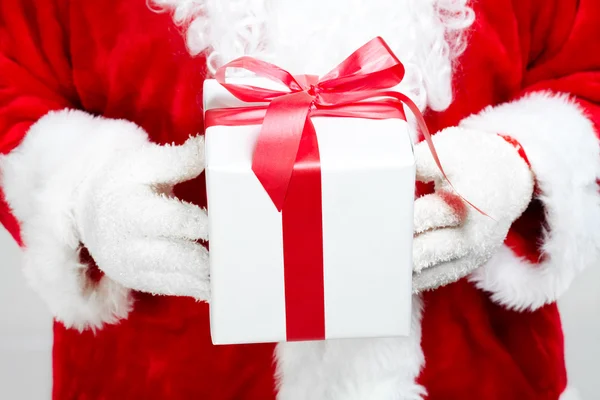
(570, 394)
(269, 30)
(353, 369)
(489, 173)
(40, 178)
(563, 149)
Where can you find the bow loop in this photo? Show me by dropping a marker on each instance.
(365, 78)
(372, 67)
(359, 77)
(255, 94)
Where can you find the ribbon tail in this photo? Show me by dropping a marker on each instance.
(428, 138)
(278, 142)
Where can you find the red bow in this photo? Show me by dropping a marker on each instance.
(286, 157)
(360, 77)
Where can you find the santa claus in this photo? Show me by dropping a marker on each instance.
(103, 189)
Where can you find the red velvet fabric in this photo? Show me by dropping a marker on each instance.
(121, 60)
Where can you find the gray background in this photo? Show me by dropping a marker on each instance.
(26, 333)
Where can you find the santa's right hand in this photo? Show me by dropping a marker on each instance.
(137, 232)
(78, 180)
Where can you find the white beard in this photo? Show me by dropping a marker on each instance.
(313, 36)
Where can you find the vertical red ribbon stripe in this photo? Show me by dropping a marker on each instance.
(302, 214)
(286, 157)
(303, 244)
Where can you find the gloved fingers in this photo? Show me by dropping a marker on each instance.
(437, 246)
(157, 215)
(166, 267)
(426, 167)
(438, 210)
(445, 273)
(171, 284)
(168, 164)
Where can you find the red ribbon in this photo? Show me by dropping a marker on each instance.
(362, 76)
(286, 157)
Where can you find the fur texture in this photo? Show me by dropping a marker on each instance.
(139, 234)
(96, 192)
(439, 210)
(269, 29)
(566, 170)
(95, 55)
(40, 187)
(354, 369)
(488, 172)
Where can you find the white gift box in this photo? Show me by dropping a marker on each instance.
(368, 186)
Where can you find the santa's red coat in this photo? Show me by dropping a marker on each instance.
(121, 60)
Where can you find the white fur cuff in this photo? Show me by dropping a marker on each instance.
(563, 149)
(40, 179)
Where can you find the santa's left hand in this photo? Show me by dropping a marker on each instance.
(453, 238)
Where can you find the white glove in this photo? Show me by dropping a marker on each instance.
(77, 179)
(452, 238)
(139, 234)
